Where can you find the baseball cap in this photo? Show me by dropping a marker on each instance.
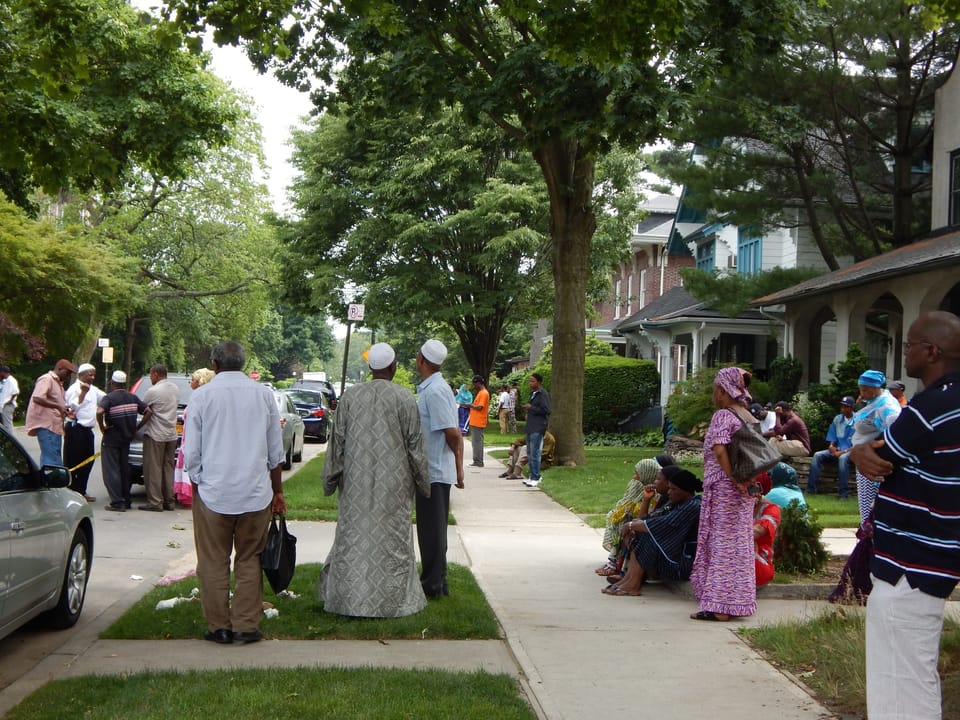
(847, 400)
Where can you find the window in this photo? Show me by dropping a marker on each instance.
(954, 199)
(629, 294)
(749, 252)
(642, 293)
(616, 300)
(706, 255)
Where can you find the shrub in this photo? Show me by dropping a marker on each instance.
(646, 438)
(785, 374)
(798, 548)
(614, 387)
(690, 407)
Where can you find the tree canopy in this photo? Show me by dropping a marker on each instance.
(89, 88)
(418, 211)
(558, 76)
(835, 124)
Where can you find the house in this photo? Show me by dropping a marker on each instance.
(681, 333)
(873, 302)
(651, 269)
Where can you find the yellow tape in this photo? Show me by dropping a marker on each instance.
(86, 462)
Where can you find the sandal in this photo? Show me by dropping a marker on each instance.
(618, 591)
(707, 615)
(504, 475)
(615, 578)
(606, 569)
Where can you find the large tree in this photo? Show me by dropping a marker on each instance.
(837, 123)
(565, 78)
(425, 216)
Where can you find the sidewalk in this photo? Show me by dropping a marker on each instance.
(578, 653)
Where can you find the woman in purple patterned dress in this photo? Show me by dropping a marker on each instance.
(724, 578)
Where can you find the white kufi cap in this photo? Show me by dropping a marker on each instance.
(380, 356)
(119, 376)
(434, 351)
(86, 367)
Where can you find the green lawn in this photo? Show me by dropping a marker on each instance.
(342, 693)
(463, 615)
(827, 654)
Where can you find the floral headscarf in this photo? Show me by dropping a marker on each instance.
(630, 502)
(730, 380)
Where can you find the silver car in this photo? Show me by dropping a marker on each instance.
(46, 543)
(293, 429)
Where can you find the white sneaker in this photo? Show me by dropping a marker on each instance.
(532, 483)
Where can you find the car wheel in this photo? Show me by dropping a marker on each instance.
(298, 456)
(288, 458)
(74, 589)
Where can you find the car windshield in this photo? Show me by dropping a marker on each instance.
(181, 381)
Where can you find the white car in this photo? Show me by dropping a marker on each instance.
(46, 542)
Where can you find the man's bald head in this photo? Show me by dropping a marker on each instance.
(932, 347)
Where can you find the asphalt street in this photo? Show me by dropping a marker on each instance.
(131, 552)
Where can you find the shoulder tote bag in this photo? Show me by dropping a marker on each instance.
(750, 453)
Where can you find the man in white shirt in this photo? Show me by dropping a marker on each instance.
(79, 448)
(233, 452)
(9, 390)
(504, 403)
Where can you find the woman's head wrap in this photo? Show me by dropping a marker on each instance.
(873, 378)
(731, 381)
(647, 470)
(683, 479)
(664, 459)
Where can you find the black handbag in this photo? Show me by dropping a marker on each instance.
(749, 452)
(279, 557)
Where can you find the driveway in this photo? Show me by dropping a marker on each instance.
(132, 551)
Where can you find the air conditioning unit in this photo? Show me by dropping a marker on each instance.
(732, 262)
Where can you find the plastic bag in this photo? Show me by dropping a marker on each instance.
(279, 557)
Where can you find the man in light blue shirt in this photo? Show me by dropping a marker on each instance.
(840, 437)
(233, 452)
(444, 446)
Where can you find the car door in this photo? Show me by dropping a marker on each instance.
(33, 535)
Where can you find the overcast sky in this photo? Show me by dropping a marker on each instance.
(279, 108)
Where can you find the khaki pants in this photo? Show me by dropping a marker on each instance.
(159, 457)
(215, 537)
(504, 416)
(793, 448)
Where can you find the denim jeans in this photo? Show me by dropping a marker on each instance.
(50, 444)
(843, 471)
(534, 448)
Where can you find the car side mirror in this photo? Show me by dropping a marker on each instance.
(55, 476)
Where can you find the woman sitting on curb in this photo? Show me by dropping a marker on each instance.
(664, 543)
(647, 482)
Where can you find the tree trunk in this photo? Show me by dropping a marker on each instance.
(569, 173)
(87, 346)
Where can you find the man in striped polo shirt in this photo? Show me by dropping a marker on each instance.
(917, 527)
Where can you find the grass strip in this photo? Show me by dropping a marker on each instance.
(463, 615)
(346, 694)
(826, 652)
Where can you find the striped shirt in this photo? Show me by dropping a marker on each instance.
(917, 513)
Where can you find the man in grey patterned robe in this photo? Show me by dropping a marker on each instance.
(376, 460)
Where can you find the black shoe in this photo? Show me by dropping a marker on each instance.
(221, 636)
(115, 508)
(248, 637)
(170, 506)
(151, 508)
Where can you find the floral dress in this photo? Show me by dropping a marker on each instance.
(724, 574)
